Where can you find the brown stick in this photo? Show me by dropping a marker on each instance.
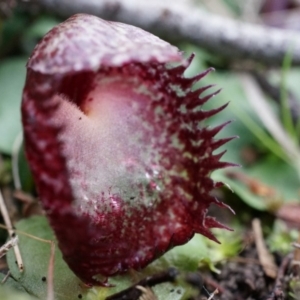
(11, 232)
(265, 257)
(184, 20)
(278, 293)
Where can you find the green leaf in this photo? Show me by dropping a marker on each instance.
(239, 188)
(270, 172)
(278, 175)
(12, 78)
(36, 256)
(67, 286)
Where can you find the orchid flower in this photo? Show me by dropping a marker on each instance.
(115, 139)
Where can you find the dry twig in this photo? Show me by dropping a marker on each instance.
(147, 293)
(11, 232)
(5, 277)
(265, 257)
(185, 20)
(8, 245)
(277, 293)
(215, 292)
(50, 287)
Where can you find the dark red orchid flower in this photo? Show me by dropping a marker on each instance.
(114, 139)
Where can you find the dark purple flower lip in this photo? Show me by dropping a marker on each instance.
(115, 141)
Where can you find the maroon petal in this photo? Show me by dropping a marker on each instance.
(113, 136)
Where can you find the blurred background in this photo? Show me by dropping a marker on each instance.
(254, 46)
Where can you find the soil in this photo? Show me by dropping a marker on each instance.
(243, 278)
(240, 278)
